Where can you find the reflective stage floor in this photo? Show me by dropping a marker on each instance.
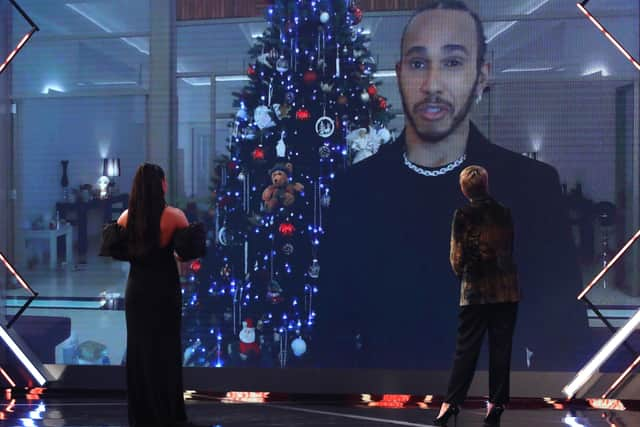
(83, 410)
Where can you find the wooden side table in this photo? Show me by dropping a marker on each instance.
(52, 236)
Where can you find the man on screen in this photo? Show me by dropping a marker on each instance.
(388, 297)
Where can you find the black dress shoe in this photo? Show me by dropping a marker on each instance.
(493, 417)
(444, 419)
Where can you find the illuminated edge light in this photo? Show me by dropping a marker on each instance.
(15, 274)
(7, 377)
(601, 356)
(608, 35)
(621, 378)
(17, 49)
(17, 351)
(609, 265)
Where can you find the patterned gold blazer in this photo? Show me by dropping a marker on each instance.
(481, 253)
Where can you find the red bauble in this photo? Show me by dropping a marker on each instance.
(251, 71)
(382, 103)
(258, 154)
(231, 166)
(195, 266)
(287, 229)
(310, 77)
(357, 15)
(372, 90)
(303, 114)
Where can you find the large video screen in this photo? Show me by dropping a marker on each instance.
(335, 204)
(321, 144)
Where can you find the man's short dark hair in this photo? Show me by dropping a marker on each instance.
(451, 5)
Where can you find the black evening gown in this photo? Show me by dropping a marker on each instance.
(153, 315)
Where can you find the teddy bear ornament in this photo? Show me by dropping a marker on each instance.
(281, 192)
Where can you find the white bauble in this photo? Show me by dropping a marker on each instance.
(299, 347)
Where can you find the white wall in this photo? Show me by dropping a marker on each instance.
(570, 124)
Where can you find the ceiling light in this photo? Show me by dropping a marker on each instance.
(526, 70)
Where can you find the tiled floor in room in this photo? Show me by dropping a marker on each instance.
(111, 411)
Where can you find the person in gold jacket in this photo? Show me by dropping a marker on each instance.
(481, 256)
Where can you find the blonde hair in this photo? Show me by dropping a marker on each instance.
(474, 181)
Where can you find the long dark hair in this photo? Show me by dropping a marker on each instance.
(146, 203)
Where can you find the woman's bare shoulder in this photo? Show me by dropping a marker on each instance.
(176, 216)
(122, 220)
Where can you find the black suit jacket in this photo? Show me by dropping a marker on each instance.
(388, 297)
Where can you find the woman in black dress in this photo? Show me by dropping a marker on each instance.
(151, 235)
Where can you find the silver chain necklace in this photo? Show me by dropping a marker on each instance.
(448, 168)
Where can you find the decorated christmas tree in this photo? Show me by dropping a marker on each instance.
(311, 109)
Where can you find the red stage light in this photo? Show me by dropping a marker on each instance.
(387, 401)
(246, 397)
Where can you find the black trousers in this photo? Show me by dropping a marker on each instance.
(474, 320)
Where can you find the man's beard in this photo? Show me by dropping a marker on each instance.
(435, 137)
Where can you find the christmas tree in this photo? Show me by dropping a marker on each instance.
(311, 109)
